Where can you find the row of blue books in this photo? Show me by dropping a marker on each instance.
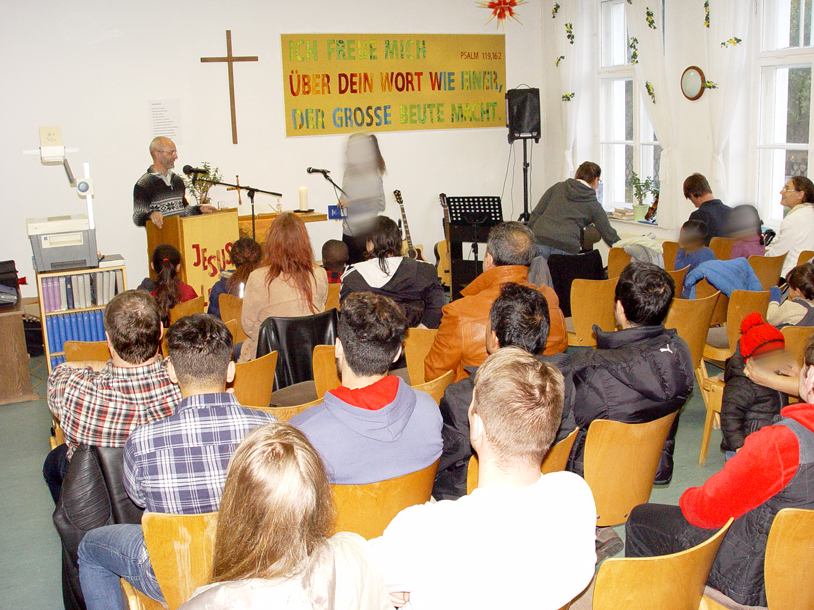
(85, 326)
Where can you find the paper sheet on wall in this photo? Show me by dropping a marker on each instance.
(165, 119)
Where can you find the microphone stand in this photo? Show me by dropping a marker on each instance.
(250, 191)
(335, 185)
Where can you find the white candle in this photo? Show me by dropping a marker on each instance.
(303, 199)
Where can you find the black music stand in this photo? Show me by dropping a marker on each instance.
(470, 219)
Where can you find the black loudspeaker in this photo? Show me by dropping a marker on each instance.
(523, 114)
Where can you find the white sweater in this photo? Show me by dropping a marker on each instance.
(796, 234)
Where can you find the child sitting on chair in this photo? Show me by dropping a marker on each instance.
(744, 226)
(798, 309)
(334, 259)
(168, 289)
(245, 255)
(692, 250)
(747, 406)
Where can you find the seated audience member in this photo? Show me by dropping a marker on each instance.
(177, 465)
(773, 470)
(637, 374)
(713, 212)
(273, 543)
(744, 226)
(518, 318)
(797, 229)
(521, 538)
(245, 255)
(101, 403)
(289, 284)
(798, 309)
(692, 250)
(168, 289)
(747, 407)
(412, 284)
(334, 259)
(374, 427)
(459, 342)
(566, 209)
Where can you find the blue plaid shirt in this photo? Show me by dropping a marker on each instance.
(178, 465)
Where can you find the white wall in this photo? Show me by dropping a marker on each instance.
(91, 66)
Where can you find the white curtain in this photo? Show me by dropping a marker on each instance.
(726, 66)
(651, 69)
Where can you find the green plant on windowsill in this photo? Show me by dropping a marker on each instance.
(643, 188)
(200, 189)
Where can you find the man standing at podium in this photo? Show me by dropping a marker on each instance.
(160, 192)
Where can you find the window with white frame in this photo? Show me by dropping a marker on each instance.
(784, 137)
(627, 141)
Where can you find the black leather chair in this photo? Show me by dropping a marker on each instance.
(294, 340)
(92, 495)
(566, 268)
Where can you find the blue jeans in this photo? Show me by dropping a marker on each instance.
(546, 251)
(109, 553)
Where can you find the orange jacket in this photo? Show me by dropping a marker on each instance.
(461, 338)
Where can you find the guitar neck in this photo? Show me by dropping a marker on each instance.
(407, 237)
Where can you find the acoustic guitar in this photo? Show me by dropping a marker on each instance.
(444, 265)
(409, 249)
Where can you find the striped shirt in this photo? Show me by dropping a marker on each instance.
(157, 192)
(102, 408)
(178, 465)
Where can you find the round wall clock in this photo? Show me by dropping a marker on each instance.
(692, 83)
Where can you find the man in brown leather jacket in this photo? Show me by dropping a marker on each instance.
(459, 341)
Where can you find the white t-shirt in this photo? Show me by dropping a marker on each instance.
(532, 547)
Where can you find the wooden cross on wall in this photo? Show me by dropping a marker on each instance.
(230, 60)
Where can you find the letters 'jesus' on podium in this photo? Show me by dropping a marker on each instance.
(204, 241)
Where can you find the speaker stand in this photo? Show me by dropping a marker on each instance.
(524, 217)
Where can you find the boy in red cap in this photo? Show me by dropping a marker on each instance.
(747, 406)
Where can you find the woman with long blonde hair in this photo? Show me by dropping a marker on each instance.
(272, 544)
(287, 284)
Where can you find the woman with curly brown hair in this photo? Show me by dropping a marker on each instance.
(245, 255)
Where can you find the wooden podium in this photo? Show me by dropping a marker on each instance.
(204, 241)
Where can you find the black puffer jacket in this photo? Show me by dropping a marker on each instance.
(747, 406)
(634, 375)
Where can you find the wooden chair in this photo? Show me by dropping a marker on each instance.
(554, 461)
(368, 509)
(722, 247)
(136, 600)
(283, 414)
(621, 461)
(679, 275)
(187, 308)
(416, 347)
(668, 582)
(767, 269)
(180, 549)
(332, 302)
(592, 303)
(796, 339)
(618, 259)
(690, 317)
(325, 375)
(670, 251)
(789, 561)
(436, 387)
(805, 256)
(231, 308)
(232, 326)
(703, 289)
(78, 351)
(721, 341)
(254, 380)
(713, 392)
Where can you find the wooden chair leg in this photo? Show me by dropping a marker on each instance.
(708, 421)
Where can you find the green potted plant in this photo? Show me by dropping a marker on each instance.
(641, 189)
(199, 188)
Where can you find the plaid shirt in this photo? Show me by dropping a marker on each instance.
(178, 465)
(102, 408)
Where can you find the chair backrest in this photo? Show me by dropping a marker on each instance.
(283, 414)
(667, 582)
(436, 387)
(416, 347)
(325, 375)
(231, 308)
(767, 269)
(789, 561)
(368, 509)
(796, 339)
(741, 304)
(295, 339)
(180, 549)
(670, 251)
(679, 275)
(254, 380)
(621, 461)
(187, 308)
(805, 256)
(722, 247)
(555, 460)
(332, 302)
(565, 268)
(703, 289)
(592, 302)
(618, 259)
(76, 351)
(691, 317)
(232, 326)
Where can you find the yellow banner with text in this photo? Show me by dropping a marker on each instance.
(344, 83)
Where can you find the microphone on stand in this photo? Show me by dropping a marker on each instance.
(312, 170)
(189, 170)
